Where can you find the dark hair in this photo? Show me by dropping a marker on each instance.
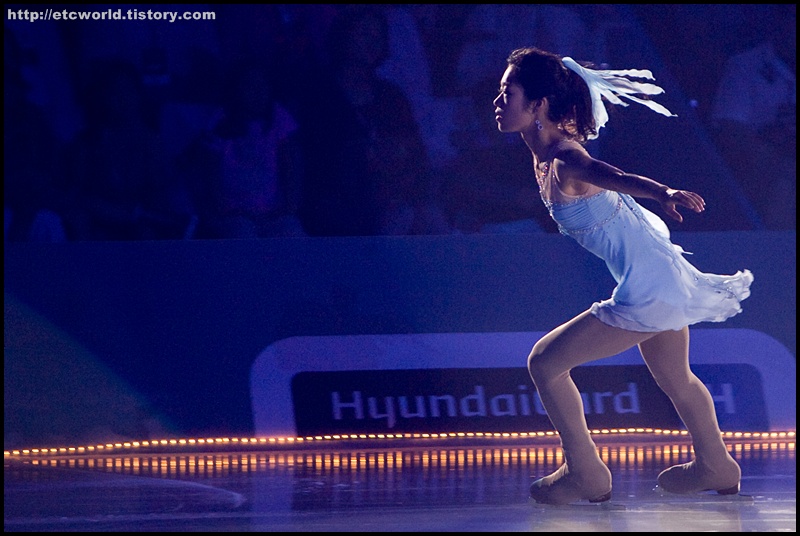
(542, 74)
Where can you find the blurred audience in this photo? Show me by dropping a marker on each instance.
(120, 185)
(245, 174)
(32, 195)
(408, 64)
(755, 120)
(335, 120)
(252, 33)
(367, 169)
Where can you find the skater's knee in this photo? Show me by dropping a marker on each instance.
(543, 365)
(677, 385)
(534, 362)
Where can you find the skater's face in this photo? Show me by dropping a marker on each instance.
(513, 112)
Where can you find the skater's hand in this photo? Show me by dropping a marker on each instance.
(672, 198)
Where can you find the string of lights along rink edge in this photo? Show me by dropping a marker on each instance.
(383, 440)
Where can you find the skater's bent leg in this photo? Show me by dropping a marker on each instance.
(582, 339)
(667, 357)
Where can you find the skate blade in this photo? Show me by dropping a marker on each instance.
(709, 496)
(581, 505)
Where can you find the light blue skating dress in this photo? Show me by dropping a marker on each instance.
(657, 288)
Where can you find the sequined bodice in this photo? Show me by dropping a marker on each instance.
(575, 214)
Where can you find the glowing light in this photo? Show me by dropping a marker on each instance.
(73, 450)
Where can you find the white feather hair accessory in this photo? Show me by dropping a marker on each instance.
(612, 85)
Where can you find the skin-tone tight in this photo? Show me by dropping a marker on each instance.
(584, 339)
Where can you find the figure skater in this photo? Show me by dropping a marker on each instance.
(556, 104)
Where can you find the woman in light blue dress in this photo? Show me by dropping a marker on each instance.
(557, 104)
